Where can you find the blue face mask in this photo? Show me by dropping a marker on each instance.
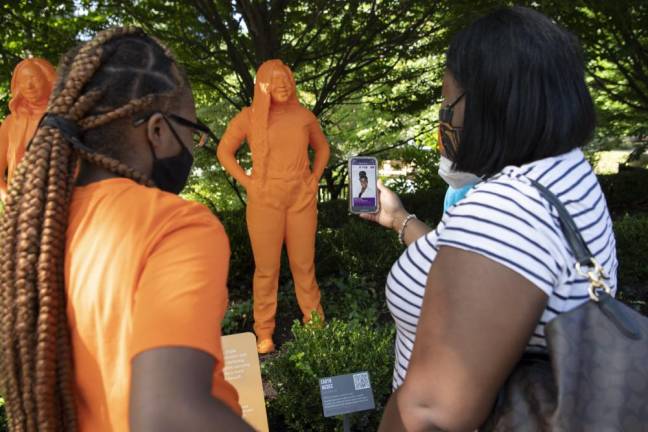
(453, 196)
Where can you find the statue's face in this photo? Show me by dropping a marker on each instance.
(32, 83)
(280, 87)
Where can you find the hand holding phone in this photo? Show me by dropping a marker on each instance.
(391, 212)
(363, 176)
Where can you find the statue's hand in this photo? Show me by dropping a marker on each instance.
(252, 187)
(313, 183)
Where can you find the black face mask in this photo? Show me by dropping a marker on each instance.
(171, 173)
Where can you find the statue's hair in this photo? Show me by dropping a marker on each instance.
(102, 83)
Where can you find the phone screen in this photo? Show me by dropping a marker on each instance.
(362, 191)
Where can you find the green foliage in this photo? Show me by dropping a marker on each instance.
(346, 245)
(3, 416)
(319, 351)
(631, 234)
(354, 256)
(357, 247)
(209, 185)
(370, 70)
(365, 68)
(336, 48)
(238, 318)
(426, 204)
(241, 259)
(626, 191)
(354, 298)
(424, 160)
(40, 28)
(333, 214)
(613, 35)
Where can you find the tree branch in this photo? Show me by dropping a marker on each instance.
(210, 12)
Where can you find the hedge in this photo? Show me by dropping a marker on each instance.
(631, 235)
(347, 245)
(626, 192)
(318, 351)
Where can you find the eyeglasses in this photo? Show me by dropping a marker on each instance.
(448, 134)
(201, 132)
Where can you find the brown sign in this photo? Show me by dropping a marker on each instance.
(242, 370)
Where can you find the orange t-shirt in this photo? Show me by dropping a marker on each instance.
(143, 269)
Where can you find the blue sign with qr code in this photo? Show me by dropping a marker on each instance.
(345, 394)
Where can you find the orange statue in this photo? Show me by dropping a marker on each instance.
(31, 85)
(282, 191)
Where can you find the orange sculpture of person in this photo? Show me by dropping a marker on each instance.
(31, 85)
(282, 191)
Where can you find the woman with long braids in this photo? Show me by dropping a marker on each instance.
(112, 287)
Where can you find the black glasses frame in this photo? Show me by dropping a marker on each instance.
(446, 112)
(198, 126)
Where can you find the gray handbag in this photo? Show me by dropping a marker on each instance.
(594, 376)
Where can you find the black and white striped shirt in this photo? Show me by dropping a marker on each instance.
(506, 220)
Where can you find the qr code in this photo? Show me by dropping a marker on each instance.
(361, 381)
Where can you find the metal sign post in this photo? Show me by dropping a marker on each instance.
(346, 423)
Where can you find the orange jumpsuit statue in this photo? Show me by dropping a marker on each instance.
(282, 191)
(31, 85)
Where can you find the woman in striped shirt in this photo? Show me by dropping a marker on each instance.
(470, 296)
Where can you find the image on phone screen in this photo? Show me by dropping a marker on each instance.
(363, 177)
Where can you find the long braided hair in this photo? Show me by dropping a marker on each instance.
(119, 73)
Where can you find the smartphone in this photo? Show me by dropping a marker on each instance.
(363, 178)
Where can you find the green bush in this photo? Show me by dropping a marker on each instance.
(426, 204)
(632, 252)
(354, 298)
(348, 246)
(241, 261)
(423, 158)
(631, 234)
(349, 298)
(238, 317)
(626, 192)
(359, 247)
(333, 214)
(345, 244)
(320, 351)
(4, 427)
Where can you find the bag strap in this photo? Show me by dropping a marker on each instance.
(569, 229)
(584, 257)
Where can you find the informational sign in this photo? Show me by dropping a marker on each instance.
(345, 394)
(242, 370)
